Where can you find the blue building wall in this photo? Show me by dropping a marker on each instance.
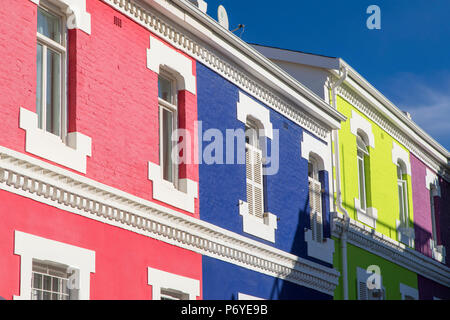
(222, 186)
(250, 282)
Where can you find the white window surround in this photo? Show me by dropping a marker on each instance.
(165, 191)
(264, 229)
(437, 252)
(313, 146)
(78, 17)
(164, 280)
(323, 251)
(432, 179)
(368, 217)
(49, 146)
(30, 247)
(161, 55)
(398, 153)
(247, 107)
(408, 291)
(261, 228)
(243, 296)
(359, 123)
(405, 234)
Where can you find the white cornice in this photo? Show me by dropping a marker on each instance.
(350, 94)
(255, 82)
(391, 250)
(54, 186)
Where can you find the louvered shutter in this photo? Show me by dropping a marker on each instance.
(363, 292)
(315, 203)
(254, 171)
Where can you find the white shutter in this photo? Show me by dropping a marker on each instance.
(315, 203)
(363, 292)
(73, 283)
(254, 172)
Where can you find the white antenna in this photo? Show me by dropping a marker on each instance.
(222, 16)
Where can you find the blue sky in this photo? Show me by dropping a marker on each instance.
(408, 60)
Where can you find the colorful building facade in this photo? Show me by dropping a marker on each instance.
(390, 177)
(146, 152)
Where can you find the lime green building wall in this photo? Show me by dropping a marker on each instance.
(382, 178)
(392, 274)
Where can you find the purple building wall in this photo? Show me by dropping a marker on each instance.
(422, 207)
(428, 290)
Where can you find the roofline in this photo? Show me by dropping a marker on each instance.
(322, 109)
(361, 81)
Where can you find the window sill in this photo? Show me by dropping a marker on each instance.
(261, 228)
(437, 252)
(405, 234)
(182, 198)
(49, 146)
(369, 216)
(320, 250)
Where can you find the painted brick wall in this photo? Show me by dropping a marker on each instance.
(112, 94)
(222, 186)
(121, 257)
(241, 280)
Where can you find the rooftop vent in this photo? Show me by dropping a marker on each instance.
(201, 4)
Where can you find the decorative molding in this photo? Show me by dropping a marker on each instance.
(398, 153)
(432, 179)
(357, 122)
(201, 5)
(261, 228)
(246, 106)
(165, 191)
(164, 280)
(35, 179)
(179, 39)
(243, 296)
(77, 16)
(161, 55)
(369, 111)
(323, 251)
(49, 146)
(372, 241)
(30, 247)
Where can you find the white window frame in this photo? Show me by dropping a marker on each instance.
(30, 247)
(248, 108)
(159, 280)
(361, 164)
(173, 108)
(316, 216)
(61, 49)
(402, 185)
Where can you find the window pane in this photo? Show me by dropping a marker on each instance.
(39, 84)
(53, 92)
(165, 89)
(167, 127)
(37, 281)
(47, 283)
(362, 184)
(46, 295)
(49, 25)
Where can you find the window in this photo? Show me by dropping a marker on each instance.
(49, 281)
(433, 191)
(315, 200)
(402, 194)
(168, 123)
(367, 287)
(254, 171)
(51, 60)
(362, 152)
(168, 294)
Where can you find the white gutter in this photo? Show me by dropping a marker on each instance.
(338, 201)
